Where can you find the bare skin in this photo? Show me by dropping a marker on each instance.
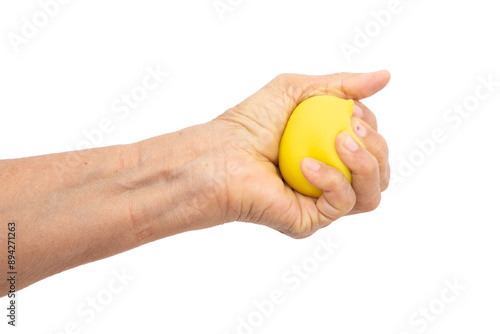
(74, 208)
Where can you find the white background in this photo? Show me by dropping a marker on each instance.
(439, 223)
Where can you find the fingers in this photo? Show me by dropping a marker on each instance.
(377, 146)
(338, 196)
(369, 168)
(362, 112)
(365, 172)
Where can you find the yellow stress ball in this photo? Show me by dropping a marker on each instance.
(311, 132)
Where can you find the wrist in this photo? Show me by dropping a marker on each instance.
(179, 183)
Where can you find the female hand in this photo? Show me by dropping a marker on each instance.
(250, 134)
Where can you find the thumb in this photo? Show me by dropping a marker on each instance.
(362, 85)
(355, 86)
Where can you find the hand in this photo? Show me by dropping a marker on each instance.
(250, 134)
(70, 204)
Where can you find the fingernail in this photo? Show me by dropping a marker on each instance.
(357, 111)
(312, 165)
(350, 144)
(359, 129)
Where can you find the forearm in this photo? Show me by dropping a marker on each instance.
(72, 209)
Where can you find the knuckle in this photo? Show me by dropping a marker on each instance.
(372, 204)
(370, 167)
(370, 119)
(343, 203)
(384, 183)
(374, 121)
(379, 146)
(349, 198)
(346, 206)
(286, 86)
(382, 144)
(284, 78)
(334, 180)
(383, 147)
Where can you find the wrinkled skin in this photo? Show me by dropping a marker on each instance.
(250, 133)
